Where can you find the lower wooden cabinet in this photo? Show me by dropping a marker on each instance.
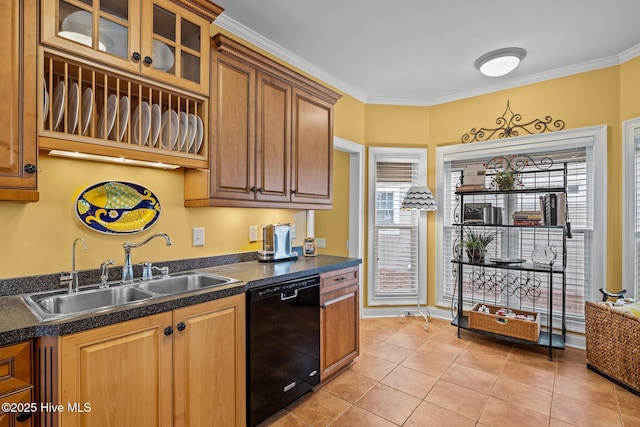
(339, 320)
(16, 385)
(180, 368)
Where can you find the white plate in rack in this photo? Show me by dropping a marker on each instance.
(108, 117)
(45, 103)
(58, 104)
(199, 134)
(191, 132)
(86, 107)
(123, 119)
(156, 123)
(141, 123)
(184, 129)
(169, 130)
(74, 106)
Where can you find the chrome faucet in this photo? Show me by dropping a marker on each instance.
(127, 268)
(73, 275)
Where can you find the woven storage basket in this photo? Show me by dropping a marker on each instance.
(515, 328)
(613, 344)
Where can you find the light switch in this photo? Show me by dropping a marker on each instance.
(293, 231)
(198, 236)
(253, 233)
(321, 243)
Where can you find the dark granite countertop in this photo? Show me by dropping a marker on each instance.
(18, 323)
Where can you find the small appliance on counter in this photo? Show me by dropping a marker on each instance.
(276, 243)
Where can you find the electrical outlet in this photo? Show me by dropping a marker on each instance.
(253, 233)
(293, 231)
(198, 236)
(321, 242)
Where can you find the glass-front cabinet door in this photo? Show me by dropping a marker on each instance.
(103, 30)
(158, 38)
(179, 42)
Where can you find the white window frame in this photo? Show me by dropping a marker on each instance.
(409, 154)
(591, 137)
(629, 130)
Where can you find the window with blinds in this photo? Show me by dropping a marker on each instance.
(394, 233)
(580, 212)
(631, 209)
(636, 213)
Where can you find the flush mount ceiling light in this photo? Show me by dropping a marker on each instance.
(500, 62)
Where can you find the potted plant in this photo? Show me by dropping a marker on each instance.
(476, 242)
(506, 179)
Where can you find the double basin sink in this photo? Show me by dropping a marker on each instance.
(60, 303)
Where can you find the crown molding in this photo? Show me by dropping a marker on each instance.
(260, 41)
(247, 34)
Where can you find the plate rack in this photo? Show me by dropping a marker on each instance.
(103, 112)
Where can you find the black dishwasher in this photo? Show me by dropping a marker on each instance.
(283, 346)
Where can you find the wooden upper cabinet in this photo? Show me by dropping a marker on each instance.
(271, 135)
(162, 39)
(312, 149)
(18, 147)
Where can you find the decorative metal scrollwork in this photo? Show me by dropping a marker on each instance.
(522, 287)
(517, 163)
(510, 126)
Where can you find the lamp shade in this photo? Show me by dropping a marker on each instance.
(419, 198)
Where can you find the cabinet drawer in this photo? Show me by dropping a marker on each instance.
(338, 279)
(15, 366)
(21, 418)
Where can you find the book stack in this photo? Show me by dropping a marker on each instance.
(527, 218)
(472, 179)
(554, 208)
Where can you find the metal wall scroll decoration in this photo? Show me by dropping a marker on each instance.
(510, 126)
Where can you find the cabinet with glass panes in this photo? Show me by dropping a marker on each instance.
(126, 78)
(510, 250)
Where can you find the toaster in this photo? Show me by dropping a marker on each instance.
(276, 243)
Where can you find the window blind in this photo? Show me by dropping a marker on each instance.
(395, 231)
(637, 215)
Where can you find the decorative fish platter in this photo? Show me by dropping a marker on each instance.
(116, 207)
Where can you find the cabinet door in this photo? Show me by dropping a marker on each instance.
(17, 419)
(273, 139)
(175, 46)
(106, 30)
(233, 146)
(312, 161)
(210, 363)
(339, 330)
(18, 150)
(123, 371)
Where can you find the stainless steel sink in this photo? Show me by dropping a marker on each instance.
(57, 304)
(185, 282)
(50, 305)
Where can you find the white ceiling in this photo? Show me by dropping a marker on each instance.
(421, 52)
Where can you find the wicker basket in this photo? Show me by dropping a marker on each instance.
(515, 328)
(613, 344)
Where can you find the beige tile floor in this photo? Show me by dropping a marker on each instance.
(406, 376)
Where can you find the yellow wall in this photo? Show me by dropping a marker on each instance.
(37, 237)
(335, 223)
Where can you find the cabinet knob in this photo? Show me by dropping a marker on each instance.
(182, 326)
(30, 168)
(293, 191)
(260, 190)
(253, 189)
(168, 330)
(136, 56)
(23, 416)
(148, 60)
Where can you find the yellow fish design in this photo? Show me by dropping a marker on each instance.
(117, 195)
(129, 221)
